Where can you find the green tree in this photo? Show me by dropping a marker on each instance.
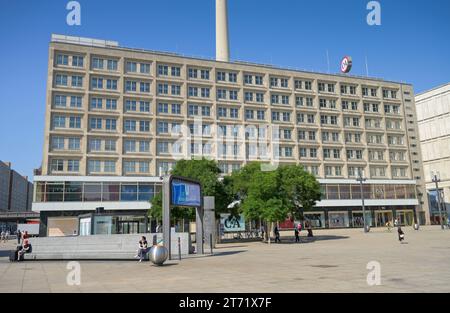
(301, 188)
(272, 195)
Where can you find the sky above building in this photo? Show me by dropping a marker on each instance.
(411, 45)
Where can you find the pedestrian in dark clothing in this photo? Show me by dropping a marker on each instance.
(401, 234)
(297, 237)
(19, 236)
(309, 228)
(277, 234)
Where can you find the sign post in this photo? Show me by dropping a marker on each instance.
(182, 192)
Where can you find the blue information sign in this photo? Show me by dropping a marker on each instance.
(185, 193)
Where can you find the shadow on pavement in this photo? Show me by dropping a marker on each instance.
(225, 253)
(229, 247)
(4, 253)
(303, 240)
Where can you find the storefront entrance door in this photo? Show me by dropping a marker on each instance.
(405, 218)
(382, 217)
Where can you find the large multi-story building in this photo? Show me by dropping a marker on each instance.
(433, 114)
(118, 118)
(16, 197)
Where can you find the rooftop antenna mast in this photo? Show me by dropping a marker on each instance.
(328, 62)
(367, 67)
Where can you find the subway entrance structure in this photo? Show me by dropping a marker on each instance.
(182, 192)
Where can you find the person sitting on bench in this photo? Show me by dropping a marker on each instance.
(142, 249)
(26, 248)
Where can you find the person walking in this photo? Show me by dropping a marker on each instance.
(262, 232)
(296, 233)
(388, 226)
(277, 234)
(19, 236)
(7, 235)
(309, 228)
(3, 236)
(401, 234)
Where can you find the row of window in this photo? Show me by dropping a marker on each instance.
(99, 166)
(221, 75)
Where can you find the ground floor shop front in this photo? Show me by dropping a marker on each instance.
(353, 217)
(74, 223)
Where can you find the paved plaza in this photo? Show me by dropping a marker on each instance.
(335, 261)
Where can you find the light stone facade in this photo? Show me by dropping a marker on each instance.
(331, 124)
(433, 115)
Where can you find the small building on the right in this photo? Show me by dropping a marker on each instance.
(433, 115)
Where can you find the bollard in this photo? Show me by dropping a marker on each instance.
(211, 243)
(179, 249)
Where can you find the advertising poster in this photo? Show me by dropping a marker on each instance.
(232, 223)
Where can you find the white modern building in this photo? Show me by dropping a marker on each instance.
(433, 114)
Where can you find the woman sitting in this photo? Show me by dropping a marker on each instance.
(142, 249)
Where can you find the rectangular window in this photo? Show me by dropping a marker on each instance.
(206, 111)
(144, 146)
(144, 126)
(130, 166)
(95, 145)
(94, 166)
(110, 124)
(176, 108)
(234, 113)
(62, 59)
(77, 81)
(258, 80)
(175, 90)
(111, 104)
(193, 92)
(76, 101)
(204, 74)
(175, 71)
(57, 143)
(74, 144)
(163, 108)
(145, 87)
(130, 125)
(60, 101)
(110, 145)
(145, 68)
(131, 67)
(109, 166)
(75, 122)
(61, 80)
(112, 65)
(130, 146)
(95, 123)
(77, 61)
(111, 84)
(163, 70)
(57, 165)
(221, 76)
(205, 92)
(97, 63)
(130, 86)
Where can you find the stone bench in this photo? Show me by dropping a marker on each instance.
(97, 247)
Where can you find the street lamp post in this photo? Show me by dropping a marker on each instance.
(361, 179)
(436, 179)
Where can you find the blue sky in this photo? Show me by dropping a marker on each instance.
(411, 45)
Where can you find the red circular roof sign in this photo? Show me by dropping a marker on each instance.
(346, 64)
